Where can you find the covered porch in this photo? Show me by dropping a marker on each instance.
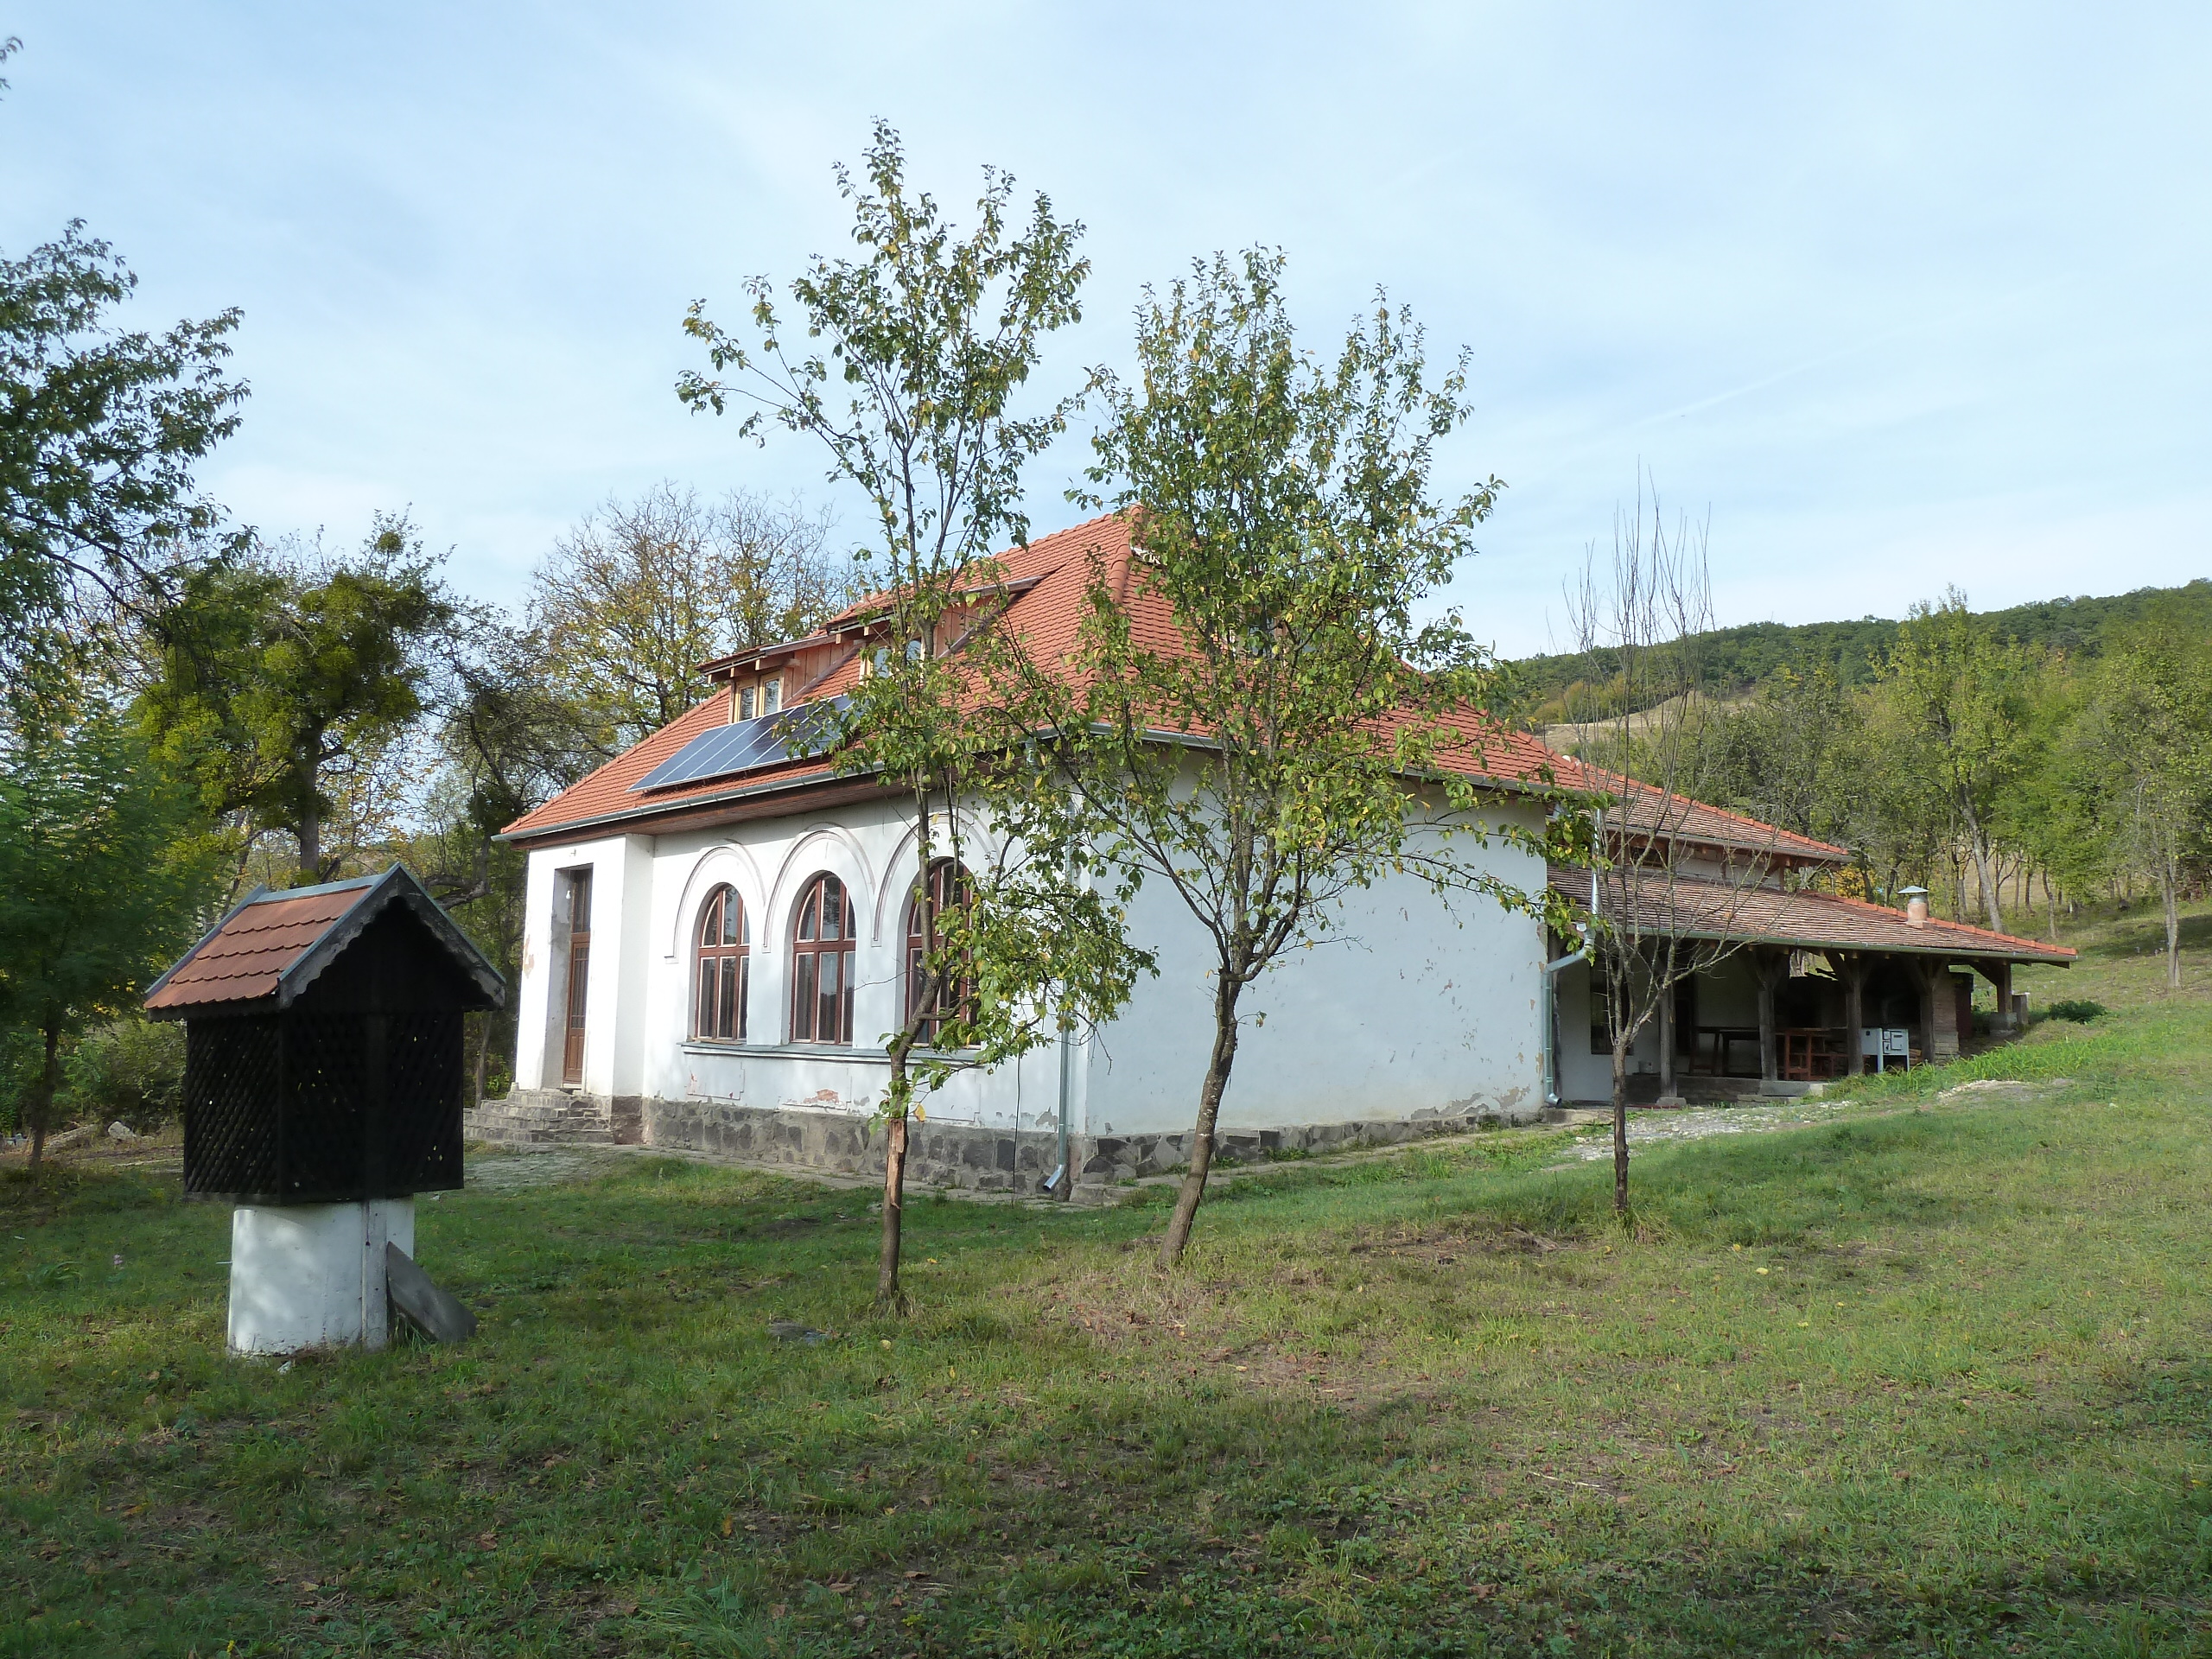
(1798, 989)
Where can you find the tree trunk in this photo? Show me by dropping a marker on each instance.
(310, 846)
(889, 1298)
(42, 1092)
(2170, 882)
(1620, 1124)
(1227, 990)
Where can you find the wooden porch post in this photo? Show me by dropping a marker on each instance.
(1666, 1095)
(1770, 967)
(1851, 968)
(1925, 976)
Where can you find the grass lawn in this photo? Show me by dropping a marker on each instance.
(1930, 1378)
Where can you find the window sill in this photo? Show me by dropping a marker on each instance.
(818, 1052)
(787, 1052)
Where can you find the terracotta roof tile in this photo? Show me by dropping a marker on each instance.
(1053, 576)
(247, 954)
(1701, 909)
(1651, 810)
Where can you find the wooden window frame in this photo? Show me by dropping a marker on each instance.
(824, 931)
(721, 968)
(949, 885)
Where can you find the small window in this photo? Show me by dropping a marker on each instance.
(822, 965)
(747, 701)
(955, 998)
(772, 696)
(724, 971)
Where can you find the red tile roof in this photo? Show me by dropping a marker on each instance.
(1050, 579)
(261, 951)
(1812, 921)
(245, 956)
(1651, 812)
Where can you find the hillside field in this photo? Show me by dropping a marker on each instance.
(1929, 1377)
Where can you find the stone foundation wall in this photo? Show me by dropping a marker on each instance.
(986, 1160)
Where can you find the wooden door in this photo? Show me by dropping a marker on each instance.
(572, 1044)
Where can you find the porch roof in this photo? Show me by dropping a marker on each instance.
(1701, 909)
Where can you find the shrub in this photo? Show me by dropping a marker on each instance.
(129, 1069)
(2079, 1012)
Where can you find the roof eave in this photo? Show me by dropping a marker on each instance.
(570, 827)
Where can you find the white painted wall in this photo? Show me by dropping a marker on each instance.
(1584, 1076)
(1412, 1009)
(1408, 1005)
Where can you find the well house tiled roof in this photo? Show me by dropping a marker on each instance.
(273, 943)
(245, 957)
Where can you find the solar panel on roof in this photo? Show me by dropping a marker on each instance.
(790, 734)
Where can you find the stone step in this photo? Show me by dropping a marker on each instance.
(540, 1117)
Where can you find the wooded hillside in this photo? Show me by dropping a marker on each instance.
(1734, 660)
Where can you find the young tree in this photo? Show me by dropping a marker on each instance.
(281, 681)
(2157, 722)
(1665, 896)
(931, 335)
(637, 596)
(1963, 693)
(103, 876)
(1281, 728)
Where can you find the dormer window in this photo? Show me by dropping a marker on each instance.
(754, 700)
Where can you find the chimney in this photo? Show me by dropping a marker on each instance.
(1916, 906)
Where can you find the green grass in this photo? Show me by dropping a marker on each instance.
(1930, 1379)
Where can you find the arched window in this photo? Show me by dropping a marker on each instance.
(955, 997)
(822, 935)
(725, 949)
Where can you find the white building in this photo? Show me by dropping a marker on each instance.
(716, 939)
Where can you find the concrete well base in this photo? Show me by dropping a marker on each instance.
(313, 1275)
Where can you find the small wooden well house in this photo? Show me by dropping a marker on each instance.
(324, 1082)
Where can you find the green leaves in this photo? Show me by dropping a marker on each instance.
(272, 674)
(102, 875)
(1261, 758)
(99, 431)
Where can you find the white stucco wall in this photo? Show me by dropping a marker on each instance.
(1414, 1008)
(1407, 1006)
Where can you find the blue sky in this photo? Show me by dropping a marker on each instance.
(1900, 296)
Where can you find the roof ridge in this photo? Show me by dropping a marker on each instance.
(1945, 923)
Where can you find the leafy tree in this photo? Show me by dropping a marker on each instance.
(102, 880)
(99, 431)
(930, 335)
(2156, 719)
(1784, 755)
(280, 680)
(506, 740)
(1298, 733)
(637, 596)
(1962, 694)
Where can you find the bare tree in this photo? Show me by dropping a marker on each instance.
(633, 599)
(1670, 875)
